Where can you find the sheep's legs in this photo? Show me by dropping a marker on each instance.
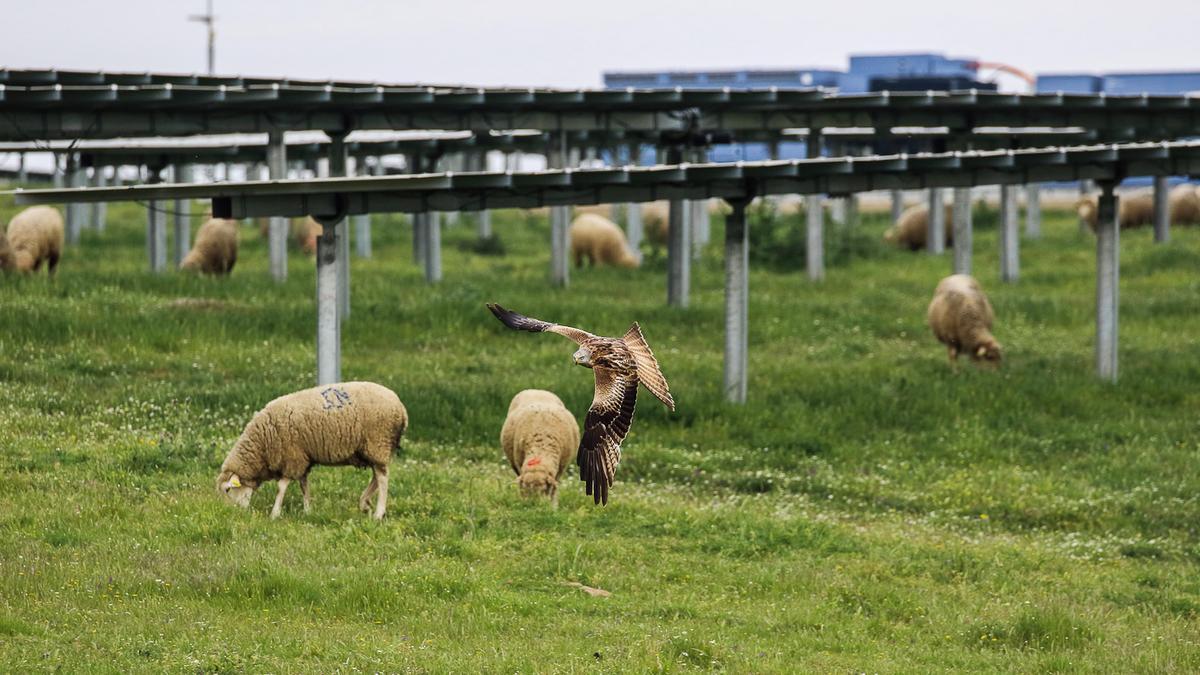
(283, 483)
(304, 491)
(364, 502)
(381, 480)
(953, 352)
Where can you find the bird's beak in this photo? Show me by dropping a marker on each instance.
(582, 358)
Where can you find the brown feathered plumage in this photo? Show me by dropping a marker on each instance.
(619, 365)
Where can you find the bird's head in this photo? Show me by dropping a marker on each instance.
(582, 357)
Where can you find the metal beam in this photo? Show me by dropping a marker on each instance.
(1108, 269)
(737, 299)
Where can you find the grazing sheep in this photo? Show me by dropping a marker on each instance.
(540, 438)
(303, 231)
(600, 241)
(7, 261)
(961, 318)
(1133, 210)
(912, 230)
(656, 224)
(34, 235)
(1185, 205)
(352, 423)
(216, 248)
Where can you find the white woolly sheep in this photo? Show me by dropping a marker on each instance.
(961, 318)
(1185, 205)
(656, 224)
(598, 240)
(540, 438)
(912, 230)
(1133, 210)
(351, 423)
(34, 235)
(216, 248)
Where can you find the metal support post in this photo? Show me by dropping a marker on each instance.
(633, 212)
(963, 230)
(737, 285)
(1010, 265)
(329, 326)
(100, 209)
(1108, 268)
(815, 235)
(935, 236)
(560, 221)
(336, 168)
(897, 205)
(277, 233)
(76, 213)
(182, 173)
(1162, 211)
(1033, 211)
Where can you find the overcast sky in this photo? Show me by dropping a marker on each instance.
(569, 43)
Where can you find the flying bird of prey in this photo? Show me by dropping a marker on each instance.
(619, 364)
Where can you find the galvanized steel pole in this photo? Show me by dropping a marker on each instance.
(560, 269)
(181, 173)
(1009, 239)
(100, 209)
(815, 226)
(1108, 268)
(633, 213)
(963, 234)
(277, 233)
(935, 236)
(1162, 211)
(737, 285)
(679, 260)
(336, 168)
(1033, 211)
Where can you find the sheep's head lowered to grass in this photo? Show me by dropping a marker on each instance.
(537, 483)
(988, 353)
(231, 486)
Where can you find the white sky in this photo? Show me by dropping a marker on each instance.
(569, 42)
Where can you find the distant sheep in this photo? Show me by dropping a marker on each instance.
(961, 318)
(1184, 206)
(598, 240)
(912, 230)
(540, 438)
(216, 248)
(352, 423)
(656, 224)
(1133, 210)
(34, 235)
(303, 232)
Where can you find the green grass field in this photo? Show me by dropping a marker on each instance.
(867, 511)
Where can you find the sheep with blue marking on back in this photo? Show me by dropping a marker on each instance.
(347, 424)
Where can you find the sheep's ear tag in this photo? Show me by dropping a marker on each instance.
(235, 482)
(980, 352)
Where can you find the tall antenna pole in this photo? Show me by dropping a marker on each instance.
(210, 21)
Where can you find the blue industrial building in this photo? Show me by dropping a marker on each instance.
(892, 72)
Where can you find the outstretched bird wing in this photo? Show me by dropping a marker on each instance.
(606, 426)
(520, 322)
(648, 371)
